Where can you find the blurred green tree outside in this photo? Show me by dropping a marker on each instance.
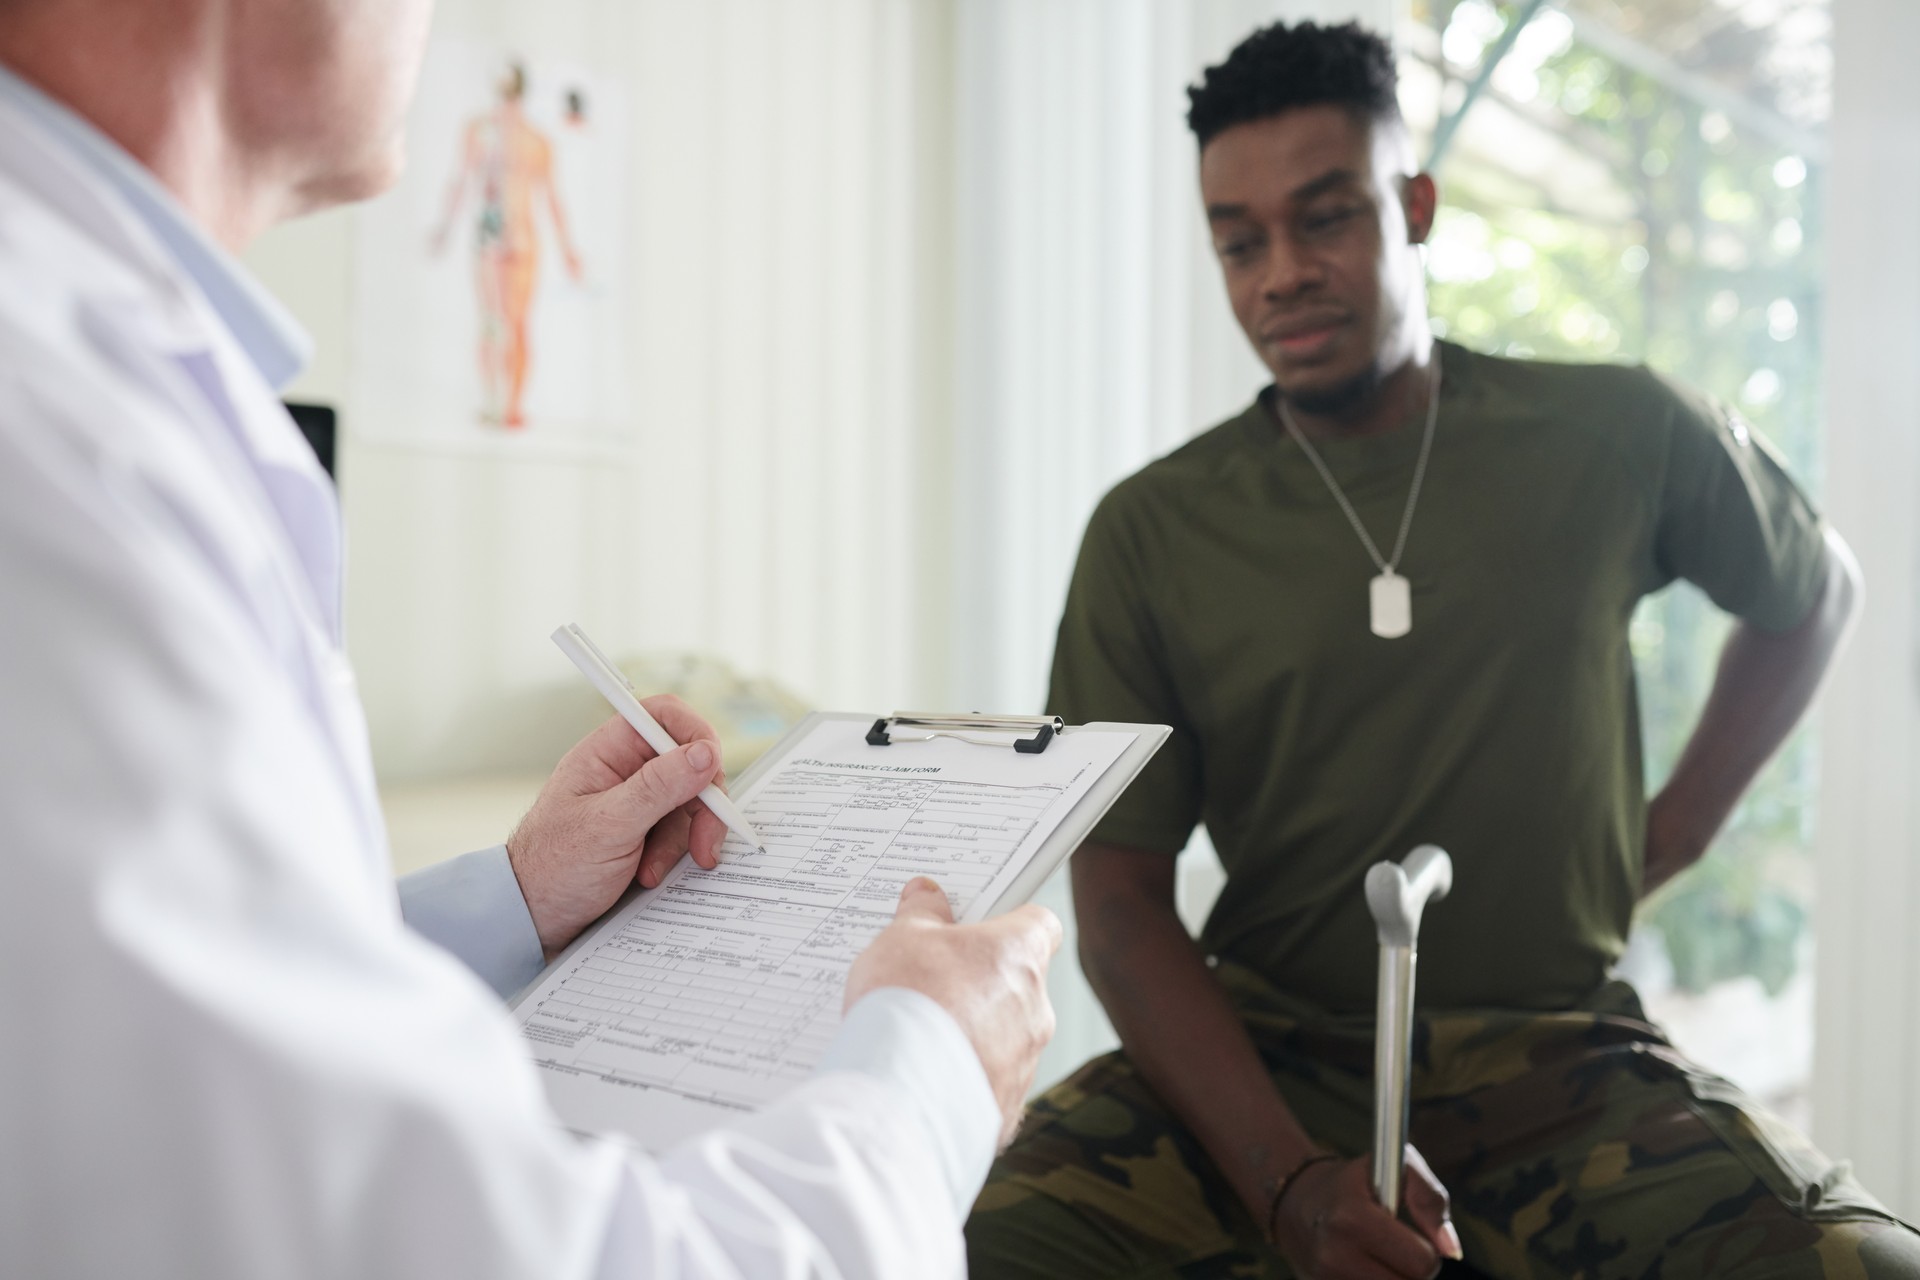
(1712, 277)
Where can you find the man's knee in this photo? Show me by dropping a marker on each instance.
(1017, 1233)
(1103, 1181)
(1074, 1199)
(1885, 1251)
(1856, 1249)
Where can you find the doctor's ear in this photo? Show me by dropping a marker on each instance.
(1420, 198)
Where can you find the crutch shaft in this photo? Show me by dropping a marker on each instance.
(1392, 1052)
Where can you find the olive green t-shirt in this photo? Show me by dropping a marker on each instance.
(1221, 591)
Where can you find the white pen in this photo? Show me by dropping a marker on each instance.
(618, 690)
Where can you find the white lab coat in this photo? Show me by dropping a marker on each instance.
(221, 1052)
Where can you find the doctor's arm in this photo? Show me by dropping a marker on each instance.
(613, 812)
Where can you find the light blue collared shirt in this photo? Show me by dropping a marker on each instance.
(472, 906)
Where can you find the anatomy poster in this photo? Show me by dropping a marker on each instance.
(489, 299)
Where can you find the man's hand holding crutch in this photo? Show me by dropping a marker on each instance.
(1337, 1217)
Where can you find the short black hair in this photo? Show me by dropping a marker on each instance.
(1281, 67)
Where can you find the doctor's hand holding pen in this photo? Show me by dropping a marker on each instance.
(615, 810)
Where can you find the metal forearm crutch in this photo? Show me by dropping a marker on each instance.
(1396, 894)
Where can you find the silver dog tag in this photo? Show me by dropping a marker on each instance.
(1392, 602)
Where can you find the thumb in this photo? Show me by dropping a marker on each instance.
(1037, 926)
(666, 782)
(923, 899)
(1429, 1207)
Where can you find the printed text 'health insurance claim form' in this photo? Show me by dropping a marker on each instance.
(719, 990)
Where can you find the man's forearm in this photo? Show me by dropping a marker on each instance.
(1763, 686)
(1171, 1014)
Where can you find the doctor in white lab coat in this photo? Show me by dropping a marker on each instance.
(222, 1051)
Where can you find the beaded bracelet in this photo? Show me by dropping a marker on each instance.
(1286, 1185)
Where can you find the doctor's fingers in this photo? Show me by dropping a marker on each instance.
(1032, 929)
(659, 787)
(666, 844)
(680, 720)
(608, 756)
(707, 831)
(690, 829)
(616, 750)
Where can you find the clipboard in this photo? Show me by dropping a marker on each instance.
(1014, 730)
(716, 991)
(1055, 850)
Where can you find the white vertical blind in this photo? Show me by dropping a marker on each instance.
(783, 201)
(1867, 1041)
(1092, 331)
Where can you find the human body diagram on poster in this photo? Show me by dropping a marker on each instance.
(507, 164)
(491, 283)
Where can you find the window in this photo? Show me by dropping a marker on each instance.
(1639, 180)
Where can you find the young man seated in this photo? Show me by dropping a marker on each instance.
(1388, 605)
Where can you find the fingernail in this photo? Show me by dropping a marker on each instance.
(649, 877)
(699, 754)
(1450, 1240)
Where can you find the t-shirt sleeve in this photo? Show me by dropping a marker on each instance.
(1110, 663)
(1732, 521)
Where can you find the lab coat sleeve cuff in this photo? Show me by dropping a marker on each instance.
(906, 1039)
(472, 906)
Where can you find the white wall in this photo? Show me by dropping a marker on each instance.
(777, 504)
(1867, 1045)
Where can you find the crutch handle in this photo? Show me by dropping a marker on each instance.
(1397, 895)
(1398, 892)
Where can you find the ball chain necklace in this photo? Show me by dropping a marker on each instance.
(1390, 597)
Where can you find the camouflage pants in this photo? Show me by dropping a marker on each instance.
(1573, 1144)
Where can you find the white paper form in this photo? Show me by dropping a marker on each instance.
(720, 990)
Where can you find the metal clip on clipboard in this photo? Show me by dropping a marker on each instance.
(966, 728)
